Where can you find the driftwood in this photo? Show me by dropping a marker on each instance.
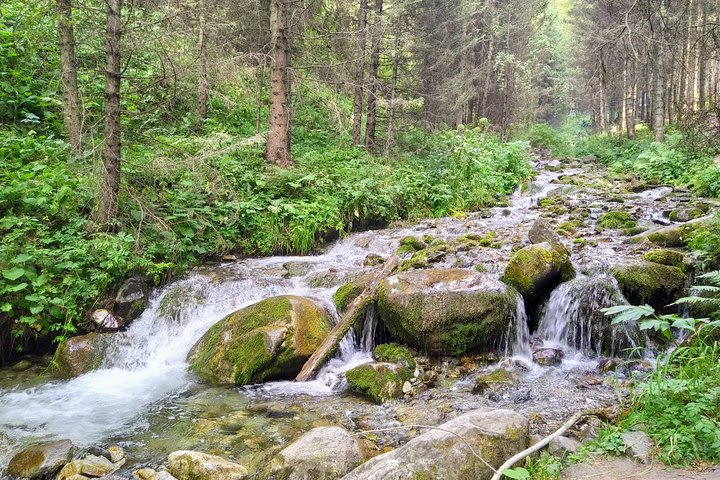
(541, 444)
(353, 312)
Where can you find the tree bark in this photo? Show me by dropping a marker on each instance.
(360, 74)
(371, 125)
(110, 182)
(72, 116)
(389, 139)
(202, 100)
(278, 141)
(659, 90)
(353, 313)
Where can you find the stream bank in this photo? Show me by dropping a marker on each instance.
(142, 398)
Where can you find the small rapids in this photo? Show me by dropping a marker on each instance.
(573, 322)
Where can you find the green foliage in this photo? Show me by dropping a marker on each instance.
(705, 240)
(545, 467)
(545, 136)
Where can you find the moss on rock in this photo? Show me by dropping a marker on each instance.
(536, 269)
(378, 381)
(394, 353)
(81, 354)
(446, 311)
(663, 256)
(652, 283)
(615, 221)
(349, 291)
(269, 340)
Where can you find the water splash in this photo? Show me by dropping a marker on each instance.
(572, 319)
(521, 345)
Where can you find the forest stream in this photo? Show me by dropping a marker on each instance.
(144, 400)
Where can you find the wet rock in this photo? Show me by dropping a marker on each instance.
(541, 232)
(409, 245)
(349, 291)
(562, 446)
(132, 298)
(495, 435)
(322, 453)
(446, 311)
(373, 259)
(672, 236)
(652, 283)
(606, 365)
(41, 460)
(90, 466)
(81, 354)
(638, 446)
(296, 269)
(270, 340)
(150, 474)
(190, 465)
(117, 454)
(537, 269)
(493, 381)
(378, 381)
(548, 357)
(664, 256)
(105, 321)
(394, 353)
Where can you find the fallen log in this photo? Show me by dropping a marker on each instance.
(351, 315)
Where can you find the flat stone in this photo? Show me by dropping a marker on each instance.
(639, 446)
(41, 460)
(190, 465)
(90, 466)
(561, 446)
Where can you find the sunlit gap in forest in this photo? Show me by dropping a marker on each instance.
(360, 239)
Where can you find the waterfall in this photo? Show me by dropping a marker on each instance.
(521, 345)
(572, 319)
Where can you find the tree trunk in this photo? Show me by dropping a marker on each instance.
(702, 67)
(352, 314)
(278, 141)
(659, 91)
(72, 116)
(601, 110)
(391, 107)
(360, 74)
(202, 100)
(371, 124)
(110, 182)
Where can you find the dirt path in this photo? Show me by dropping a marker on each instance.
(604, 468)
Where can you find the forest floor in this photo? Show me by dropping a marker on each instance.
(606, 468)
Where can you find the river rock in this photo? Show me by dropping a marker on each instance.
(541, 232)
(270, 340)
(89, 466)
(322, 453)
(41, 460)
(446, 311)
(105, 321)
(561, 446)
(638, 446)
(548, 357)
(150, 474)
(495, 435)
(190, 465)
(81, 354)
(394, 353)
(536, 270)
(652, 283)
(132, 298)
(378, 381)
(664, 256)
(349, 291)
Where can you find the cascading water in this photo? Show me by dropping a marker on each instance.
(573, 322)
(521, 344)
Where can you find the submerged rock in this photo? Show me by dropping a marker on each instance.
(378, 381)
(322, 453)
(651, 283)
(270, 340)
(81, 354)
(190, 465)
(495, 435)
(536, 270)
(446, 311)
(41, 460)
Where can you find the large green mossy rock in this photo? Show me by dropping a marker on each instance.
(81, 354)
(666, 257)
(651, 283)
(378, 381)
(41, 460)
(536, 270)
(446, 311)
(270, 340)
(349, 291)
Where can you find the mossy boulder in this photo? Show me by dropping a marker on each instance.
(615, 221)
(81, 354)
(379, 381)
(651, 283)
(673, 236)
(394, 353)
(536, 270)
(349, 291)
(663, 256)
(446, 311)
(41, 460)
(410, 244)
(269, 340)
